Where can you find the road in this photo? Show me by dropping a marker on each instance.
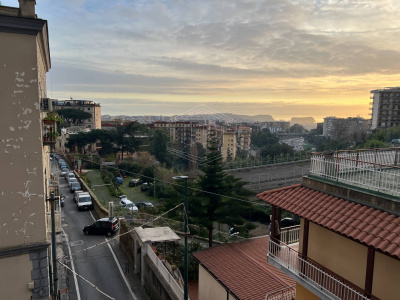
(103, 265)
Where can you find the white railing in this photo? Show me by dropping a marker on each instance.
(164, 272)
(290, 235)
(288, 293)
(325, 283)
(384, 178)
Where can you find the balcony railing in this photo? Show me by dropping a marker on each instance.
(312, 276)
(376, 170)
(290, 235)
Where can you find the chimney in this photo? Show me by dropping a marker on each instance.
(27, 8)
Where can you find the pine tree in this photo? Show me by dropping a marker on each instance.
(212, 205)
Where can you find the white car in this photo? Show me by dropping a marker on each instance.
(128, 204)
(71, 180)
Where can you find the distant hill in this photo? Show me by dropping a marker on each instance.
(307, 122)
(256, 118)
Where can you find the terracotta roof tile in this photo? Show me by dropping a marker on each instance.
(242, 265)
(369, 226)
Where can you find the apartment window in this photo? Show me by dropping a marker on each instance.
(88, 108)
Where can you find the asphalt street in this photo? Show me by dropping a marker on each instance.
(104, 266)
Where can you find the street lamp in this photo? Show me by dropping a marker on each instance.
(185, 275)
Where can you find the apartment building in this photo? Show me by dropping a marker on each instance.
(243, 138)
(349, 240)
(25, 165)
(85, 105)
(228, 148)
(385, 108)
(276, 126)
(345, 129)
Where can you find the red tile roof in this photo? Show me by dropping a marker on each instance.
(243, 268)
(364, 224)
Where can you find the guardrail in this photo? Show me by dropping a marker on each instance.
(360, 170)
(332, 286)
(290, 235)
(164, 272)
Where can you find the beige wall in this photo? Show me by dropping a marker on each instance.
(339, 254)
(209, 288)
(14, 285)
(303, 294)
(386, 281)
(21, 160)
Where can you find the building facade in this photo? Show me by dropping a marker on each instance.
(243, 138)
(349, 241)
(24, 232)
(85, 105)
(345, 129)
(385, 108)
(276, 126)
(228, 149)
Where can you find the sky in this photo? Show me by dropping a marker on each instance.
(285, 58)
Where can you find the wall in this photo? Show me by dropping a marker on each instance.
(303, 294)
(22, 199)
(209, 288)
(338, 254)
(386, 277)
(97, 206)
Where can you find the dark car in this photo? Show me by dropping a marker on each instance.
(287, 222)
(134, 182)
(75, 186)
(104, 226)
(144, 187)
(144, 205)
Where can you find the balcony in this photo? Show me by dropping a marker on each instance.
(375, 170)
(317, 279)
(49, 132)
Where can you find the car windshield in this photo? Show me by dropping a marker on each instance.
(129, 205)
(75, 184)
(84, 199)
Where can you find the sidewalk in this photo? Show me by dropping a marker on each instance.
(62, 272)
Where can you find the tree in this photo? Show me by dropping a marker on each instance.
(74, 116)
(297, 128)
(158, 145)
(264, 138)
(125, 139)
(212, 203)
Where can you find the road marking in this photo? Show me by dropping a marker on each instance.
(77, 243)
(78, 295)
(117, 263)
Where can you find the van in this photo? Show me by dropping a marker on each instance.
(84, 201)
(76, 193)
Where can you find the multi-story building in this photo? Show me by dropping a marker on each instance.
(345, 129)
(26, 178)
(385, 108)
(243, 138)
(349, 237)
(276, 126)
(85, 105)
(228, 148)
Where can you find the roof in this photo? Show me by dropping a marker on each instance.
(243, 268)
(156, 234)
(361, 223)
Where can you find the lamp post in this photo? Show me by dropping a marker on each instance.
(185, 275)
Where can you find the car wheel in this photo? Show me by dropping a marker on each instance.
(109, 233)
(86, 232)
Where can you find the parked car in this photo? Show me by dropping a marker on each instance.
(122, 197)
(134, 182)
(69, 175)
(71, 180)
(106, 226)
(120, 180)
(64, 171)
(144, 187)
(76, 193)
(84, 201)
(144, 205)
(128, 204)
(287, 222)
(75, 186)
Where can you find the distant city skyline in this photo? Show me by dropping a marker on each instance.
(285, 58)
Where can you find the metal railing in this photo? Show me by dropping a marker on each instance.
(288, 293)
(164, 272)
(374, 170)
(290, 235)
(330, 285)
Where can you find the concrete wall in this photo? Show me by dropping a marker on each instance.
(339, 254)
(303, 294)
